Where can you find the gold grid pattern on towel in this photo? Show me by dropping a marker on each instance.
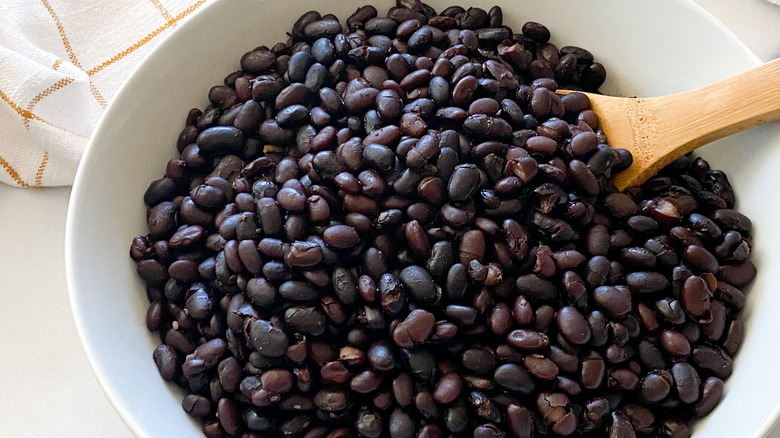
(26, 111)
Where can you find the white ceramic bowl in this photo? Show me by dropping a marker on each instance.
(648, 47)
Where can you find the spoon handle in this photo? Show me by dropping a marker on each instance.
(697, 117)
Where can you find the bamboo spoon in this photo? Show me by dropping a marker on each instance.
(657, 130)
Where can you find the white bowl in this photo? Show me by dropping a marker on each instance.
(648, 47)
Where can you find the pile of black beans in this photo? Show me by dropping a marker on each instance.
(396, 228)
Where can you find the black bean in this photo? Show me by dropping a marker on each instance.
(675, 343)
(307, 320)
(621, 426)
(340, 236)
(382, 228)
(303, 254)
(528, 339)
(704, 227)
(368, 424)
(197, 405)
(324, 28)
(535, 288)
(463, 183)
(265, 87)
(331, 399)
(379, 157)
(696, 296)
(638, 257)
(166, 360)
(413, 125)
(420, 362)
(583, 177)
(593, 76)
(536, 32)
(488, 431)
(303, 20)
(592, 371)
(572, 325)
(388, 105)
(323, 52)
(614, 300)
(162, 219)
(447, 388)
(712, 360)
(514, 378)
(737, 274)
(418, 282)
(646, 282)
(734, 335)
(655, 386)
(474, 18)
(269, 340)
(163, 189)
(478, 360)
(257, 61)
(732, 220)
(671, 310)
(374, 263)
(205, 357)
(711, 392)
(221, 140)
(686, 381)
(457, 282)
(359, 18)
(277, 381)
(298, 66)
(401, 425)
(699, 258)
(380, 26)
(292, 116)
(415, 329)
(229, 416)
(540, 366)
(297, 291)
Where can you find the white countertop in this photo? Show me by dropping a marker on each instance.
(46, 384)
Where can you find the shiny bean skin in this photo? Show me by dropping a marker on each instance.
(711, 392)
(656, 386)
(572, 325)
(541, 367)
(528, 339)
(414, 329)
(696, 296)
(615, 301)
(675, 343)
(340, 236)
(166, 361)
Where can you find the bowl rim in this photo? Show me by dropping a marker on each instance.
(106, 119)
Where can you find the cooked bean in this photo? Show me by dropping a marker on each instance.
(419, 283)
(615, 301)
(572, 325)
(711, 392)
(340, 236)
(675, 343)
(696, 296)
(366, 222)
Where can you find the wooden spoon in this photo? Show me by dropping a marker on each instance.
(658, 130)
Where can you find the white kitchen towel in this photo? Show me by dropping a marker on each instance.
(61, 61)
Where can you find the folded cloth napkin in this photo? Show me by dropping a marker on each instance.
(61, 62)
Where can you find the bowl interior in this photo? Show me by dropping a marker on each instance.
(648, 48)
